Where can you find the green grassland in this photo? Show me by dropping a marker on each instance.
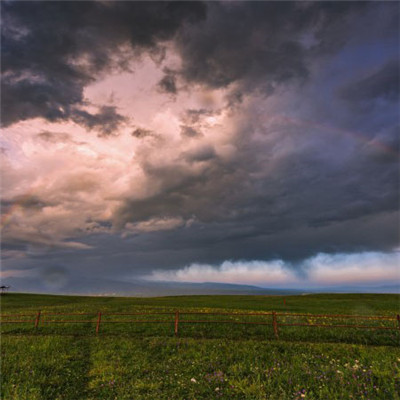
(205, 361)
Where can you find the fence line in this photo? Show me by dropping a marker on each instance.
(39, 319)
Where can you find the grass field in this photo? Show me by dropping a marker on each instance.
(206, 361)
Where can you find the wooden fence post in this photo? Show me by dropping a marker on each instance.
(275, 324)
(398, 320)
(176, 322)
(37, 319)
(98, 322)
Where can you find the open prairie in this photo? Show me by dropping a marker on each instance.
(205, 360)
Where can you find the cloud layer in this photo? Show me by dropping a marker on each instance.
(322, 270)
(157, 135)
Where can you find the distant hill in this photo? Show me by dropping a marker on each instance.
(395, 288)
(142, 288)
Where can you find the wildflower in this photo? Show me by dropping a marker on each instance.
(193, 380)
(217, 389)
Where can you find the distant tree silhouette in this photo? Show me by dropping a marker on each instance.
(3, 289)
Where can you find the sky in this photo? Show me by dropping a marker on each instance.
(237, 142)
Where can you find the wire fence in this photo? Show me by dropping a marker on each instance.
(277, 321)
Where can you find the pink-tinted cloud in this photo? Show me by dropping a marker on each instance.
(322, 270)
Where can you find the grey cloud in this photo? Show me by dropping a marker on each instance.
(385, 147)
(310, 179)
(190, 132)
(55, 277)
(58, 137)
(107, 120)
(52, 50)
(194, 121)
(229, 204)
(382, 84)
(25, 201)
(168, 82)
(141, 133)
(213, 243)
(193, 116)
(112, 257)
(22, 236)
(259, 43)
(54, 137)
(27, 99)
(204, 153)
(289, 190)
(184, 193)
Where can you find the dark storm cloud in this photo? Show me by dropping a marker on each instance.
(314, 190)
(206, 194)
(291, 188)
(52, 50)
(213, 243)
(384, 84)
(25, 98)
(260, 43)
(107, 120)
(168, 83)
(294, 187)
(304, 189)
